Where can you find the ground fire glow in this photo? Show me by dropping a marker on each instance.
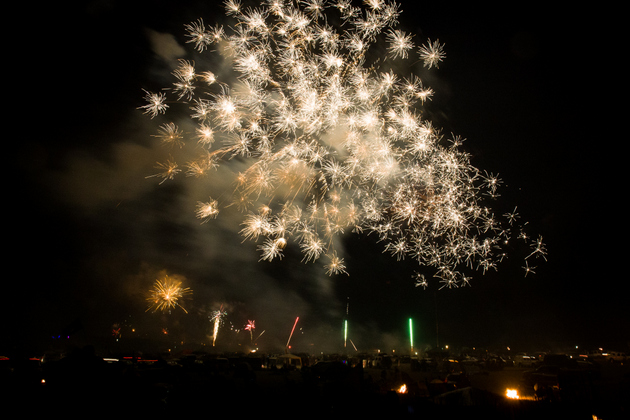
(512, 393)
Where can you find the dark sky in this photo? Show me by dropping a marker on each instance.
(532, 89)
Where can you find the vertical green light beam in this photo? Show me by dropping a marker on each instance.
(411, 334)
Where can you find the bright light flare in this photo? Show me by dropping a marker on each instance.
(512, 394)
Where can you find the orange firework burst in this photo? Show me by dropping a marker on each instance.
(166, 294)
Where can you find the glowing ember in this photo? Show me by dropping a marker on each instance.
(402, 389)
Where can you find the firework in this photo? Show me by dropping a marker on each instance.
(332, 138)
(116, 331)
(259, 335)
(155, 103)
(207, 210)
(411, 334)
(251, 326)
(292, 329)
(167, 294)
(353, 346)
(217, 319)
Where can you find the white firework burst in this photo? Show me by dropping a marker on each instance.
(332, 139)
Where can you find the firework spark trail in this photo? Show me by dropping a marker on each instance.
(251, 326)
(333, 139)
(259, 335)
(166, 294)
(292, 330)
(217, 318)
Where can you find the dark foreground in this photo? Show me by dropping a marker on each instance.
(86, 385)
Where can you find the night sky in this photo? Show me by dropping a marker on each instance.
(533, 90)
